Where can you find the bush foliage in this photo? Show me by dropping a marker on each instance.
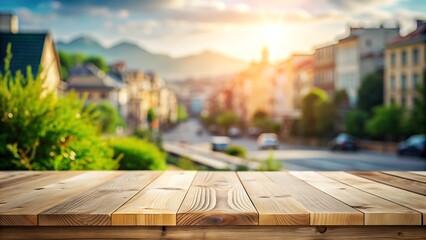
(137, 154)
(39, 131)
(238, 151)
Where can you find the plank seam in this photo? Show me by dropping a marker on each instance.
(421, 214)
(363, 214)
(252, 203)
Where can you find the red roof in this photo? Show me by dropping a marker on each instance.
(421, 30)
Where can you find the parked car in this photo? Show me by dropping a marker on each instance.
(234, 132)
(344, 142)
(267, 141)
(220, 143)
(253, 131)
(414, 146)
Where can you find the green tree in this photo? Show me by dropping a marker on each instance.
(355, 121)
(98, 61)
(387, 122)
(370, 93)
(309, 118)
(341, 98)
(106, 117)
(42, 132)
(227, 119)
(261, 120)
(182, 113)
(325, 115)
(417, 121)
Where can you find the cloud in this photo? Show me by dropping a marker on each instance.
(28, 18)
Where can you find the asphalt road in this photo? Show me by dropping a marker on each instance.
(298, 157)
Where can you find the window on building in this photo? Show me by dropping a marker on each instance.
(104, 95)
(415, 56)
(392, 82)
(404, 58)
(403, 81)
(393, 59)
(403, 101)
(368, 42)
(392, 101)
(415, 80)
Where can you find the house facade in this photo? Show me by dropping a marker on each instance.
(405, 66)
(30, 49)
(359, 54)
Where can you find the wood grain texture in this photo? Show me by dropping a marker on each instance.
(292, 232)
(69, 232)
(377, 211)
(158, 203)
(44, 179)
(396, 195)
(214, 232)
(274, 205)
(407, 175)
(94, 207)
(11, 178)
(324, 209)
(409, 185)
(23, 209)
(217, 198)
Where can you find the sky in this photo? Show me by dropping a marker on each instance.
(235, 27)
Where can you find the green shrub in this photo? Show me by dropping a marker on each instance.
(105, 116)
(237, 151)
(270, 164)
(39, 131)
(137, 154)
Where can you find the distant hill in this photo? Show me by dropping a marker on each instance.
(205, 64)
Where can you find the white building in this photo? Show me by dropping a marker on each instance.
(359, 54)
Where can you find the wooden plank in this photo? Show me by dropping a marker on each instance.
(377, 211)
(293, 232)
(25, 186)
(23, 209)
(89, 208)
(423, 173)
(214, 232)
(69, 232)
(324, 209)
(158, 203)
(274, 205)
(412, 186)
(396, 195)
(12, 178)
(407, 175)
(217, 198)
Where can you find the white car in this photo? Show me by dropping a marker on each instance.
(220, 143)
(267, 141)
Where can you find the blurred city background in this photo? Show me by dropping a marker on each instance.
(213, 85)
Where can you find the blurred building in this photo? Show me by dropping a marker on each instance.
(99, 87)
(30, 49)
(405, 66)
(303, 81)
(161, 99)
(324, 68)
(286, 88)
(358, 54)
(9, 23)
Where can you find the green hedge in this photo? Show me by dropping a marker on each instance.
(237, 151)
(137, 154)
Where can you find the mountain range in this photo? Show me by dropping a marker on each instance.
(204, 64)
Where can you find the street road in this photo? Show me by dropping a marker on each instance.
(297, 157)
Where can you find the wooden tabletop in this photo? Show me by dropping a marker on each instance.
(188, 198)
